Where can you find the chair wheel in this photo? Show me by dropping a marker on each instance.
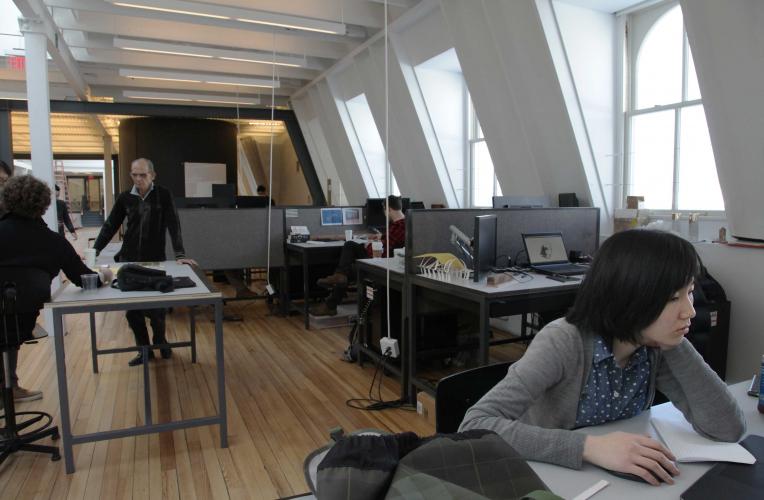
(56, 457)
(55, 436)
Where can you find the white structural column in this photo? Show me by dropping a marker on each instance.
(38, 102)
(108, 181)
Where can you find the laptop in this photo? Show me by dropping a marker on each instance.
(547, 255)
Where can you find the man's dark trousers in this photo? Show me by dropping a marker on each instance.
(137, 321)
(351, 251)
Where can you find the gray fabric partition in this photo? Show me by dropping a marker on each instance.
(221, 238)
(311, 217)
(428, 230)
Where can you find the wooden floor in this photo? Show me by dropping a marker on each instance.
(286, 387)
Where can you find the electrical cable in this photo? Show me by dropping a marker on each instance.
(270, 161)
(388, 174)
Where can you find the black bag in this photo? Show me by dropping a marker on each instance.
(132, 277)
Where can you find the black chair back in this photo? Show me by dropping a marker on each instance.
(23, 292)
(456, 393)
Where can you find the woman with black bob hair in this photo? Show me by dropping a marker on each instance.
(622, 340)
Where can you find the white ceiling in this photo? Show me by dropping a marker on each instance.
(98, 32)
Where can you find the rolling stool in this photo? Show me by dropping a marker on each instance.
(34, 425)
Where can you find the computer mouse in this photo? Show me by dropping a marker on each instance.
(633, 477)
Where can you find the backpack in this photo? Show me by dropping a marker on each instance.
(133, 277)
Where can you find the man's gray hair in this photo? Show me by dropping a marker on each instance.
(147, 162)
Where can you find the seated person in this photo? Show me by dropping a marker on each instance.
(622, 340)
(353, 250)
(28, 243)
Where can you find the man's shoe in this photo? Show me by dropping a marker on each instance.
(20, 395)
(336, 279)
(138, 360)
(323, 309)
(165, 352)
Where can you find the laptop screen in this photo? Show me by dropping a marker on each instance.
(545, 248)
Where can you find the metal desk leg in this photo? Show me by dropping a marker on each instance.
(93, 343)
(146, 386)
(63, 391)
(485, 332)
(192, 322)
(409, 355)
(221, 374)
(306, 289)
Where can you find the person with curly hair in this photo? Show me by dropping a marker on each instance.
(6, 172)
(29, 244)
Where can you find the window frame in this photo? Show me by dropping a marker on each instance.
(631, 111)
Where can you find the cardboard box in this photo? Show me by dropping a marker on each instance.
(425, 406)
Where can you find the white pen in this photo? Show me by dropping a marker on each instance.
(592, 490)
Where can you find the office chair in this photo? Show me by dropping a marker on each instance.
(456, 393)
(23, 291)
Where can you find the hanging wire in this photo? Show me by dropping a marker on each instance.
(270, 158)
(388, 175)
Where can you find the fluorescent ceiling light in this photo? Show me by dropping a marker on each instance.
(208, 52)
(206, 98)
(225, 12)
(179, 76)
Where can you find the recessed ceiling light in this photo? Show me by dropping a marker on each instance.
(181, 76)
(173, 11)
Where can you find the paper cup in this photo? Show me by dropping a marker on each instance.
(348, 234)
(90, 257)
(376, 248)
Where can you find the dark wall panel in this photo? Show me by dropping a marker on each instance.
(171, 142)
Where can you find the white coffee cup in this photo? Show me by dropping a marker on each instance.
(376, 248)
(90, 257)
(348, 234)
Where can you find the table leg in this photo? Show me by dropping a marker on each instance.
(146, 386)
(192, 323)
(63, 391)
(485, 333)
(305, 289)
(221, 375)
(93, 343)
(409, 355)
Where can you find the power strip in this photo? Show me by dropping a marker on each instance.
(389, 347)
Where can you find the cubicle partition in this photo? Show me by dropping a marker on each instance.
(429, 230)
(310, 217)
(232, 238)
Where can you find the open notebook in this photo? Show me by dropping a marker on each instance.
(689, 446)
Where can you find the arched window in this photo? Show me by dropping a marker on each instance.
(669, 159)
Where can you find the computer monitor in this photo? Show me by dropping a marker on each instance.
(225, 192)
(484, 245)
(405, 204)
(521, 201)
(374, 213)
(252, 201)
(417, 205)
(202, 202)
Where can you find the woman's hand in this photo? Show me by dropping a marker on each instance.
(105, 275)
(631, 453)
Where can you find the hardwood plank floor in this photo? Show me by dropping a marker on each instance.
(286, 387)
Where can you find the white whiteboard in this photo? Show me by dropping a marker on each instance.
(201, 176)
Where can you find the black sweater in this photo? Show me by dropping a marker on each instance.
(147, 223)
(26, 242)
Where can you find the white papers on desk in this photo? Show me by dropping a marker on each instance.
(689, 446)
(315, 242)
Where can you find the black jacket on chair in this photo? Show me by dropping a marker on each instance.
(147, 222)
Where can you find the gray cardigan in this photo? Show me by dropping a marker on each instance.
(534, 407)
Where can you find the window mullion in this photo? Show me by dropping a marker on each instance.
(685, 57)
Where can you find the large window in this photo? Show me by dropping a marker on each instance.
(483, 182)
(372, 160)
(669, 159)
(469, 169)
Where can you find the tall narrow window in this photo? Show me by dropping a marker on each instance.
(669, 159)
(483, 182)
(372, 160)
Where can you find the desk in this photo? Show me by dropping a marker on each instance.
(71, 300)
(514, 297)
(568, 482)
(307, 253)
(375, 270)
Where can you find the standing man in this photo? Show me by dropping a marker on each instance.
(62, 211)
(351, 251)
(150, 213)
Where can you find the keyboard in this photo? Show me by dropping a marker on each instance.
(567, 269)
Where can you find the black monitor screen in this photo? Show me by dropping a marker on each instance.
(484, 245)
(405, 204)
(227, 191)
(252, 201)
(375, 212)
(202, 202)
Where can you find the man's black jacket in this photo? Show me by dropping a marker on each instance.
(147, 222)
